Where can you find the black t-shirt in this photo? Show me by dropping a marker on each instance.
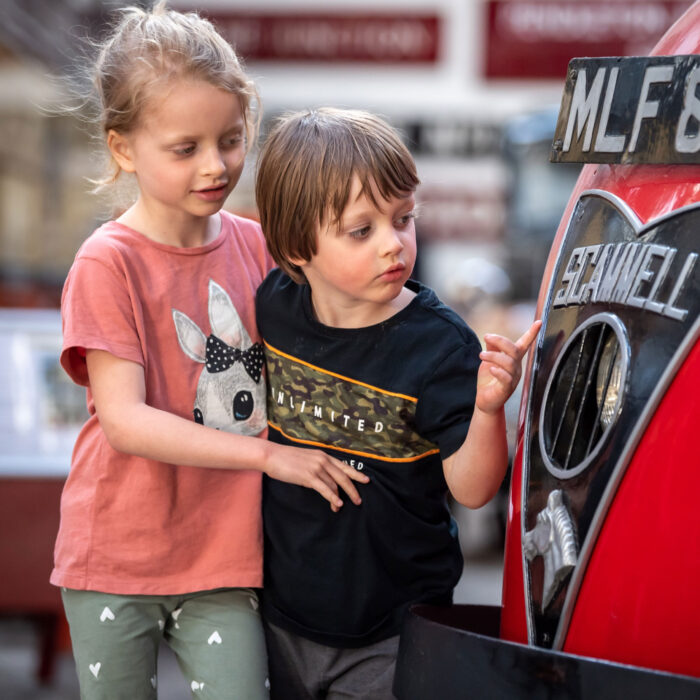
(393, 400)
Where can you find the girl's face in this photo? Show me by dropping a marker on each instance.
(187, 153)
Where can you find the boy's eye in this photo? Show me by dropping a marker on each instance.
(406, 219)
(360, 233)
(183, 150)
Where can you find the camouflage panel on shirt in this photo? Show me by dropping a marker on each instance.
(311, 405)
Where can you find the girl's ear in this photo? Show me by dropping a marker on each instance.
(120, 148)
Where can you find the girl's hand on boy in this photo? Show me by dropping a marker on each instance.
(315, 470)
(500, 369)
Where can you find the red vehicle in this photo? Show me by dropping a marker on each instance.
(601, 590)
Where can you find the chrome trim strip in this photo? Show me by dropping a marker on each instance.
(620, 205)
(634, 220)
(574, 585)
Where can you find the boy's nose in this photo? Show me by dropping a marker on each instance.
(392, 242)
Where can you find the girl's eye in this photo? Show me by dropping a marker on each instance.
(233, 140)
(360, 233)
(183, 150)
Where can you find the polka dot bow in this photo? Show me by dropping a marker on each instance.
(220, 356)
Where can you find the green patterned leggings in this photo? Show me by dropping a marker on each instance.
(217, 637)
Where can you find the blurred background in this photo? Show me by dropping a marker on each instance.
(473, 85)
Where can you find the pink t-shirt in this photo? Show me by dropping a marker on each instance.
(136, 526)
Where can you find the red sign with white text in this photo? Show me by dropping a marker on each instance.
(537, 38)
(373, 38)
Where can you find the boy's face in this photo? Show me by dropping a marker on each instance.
(363, 260)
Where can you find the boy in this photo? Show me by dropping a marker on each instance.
(371, 367)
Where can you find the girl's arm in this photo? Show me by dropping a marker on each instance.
(474, 473)
(133, 427)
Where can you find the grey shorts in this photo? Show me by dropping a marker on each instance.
(304, 670)
(217, 637)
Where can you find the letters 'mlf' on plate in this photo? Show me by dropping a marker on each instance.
(630, 110)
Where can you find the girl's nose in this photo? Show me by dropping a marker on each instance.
(213, 163)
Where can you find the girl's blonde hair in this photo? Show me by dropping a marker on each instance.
(145, 50)
(306, 169)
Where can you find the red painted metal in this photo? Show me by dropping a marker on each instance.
(639, 603)
(513, 622)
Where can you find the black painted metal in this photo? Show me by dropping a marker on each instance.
(665, 106)
(454, 653)
(653, 340)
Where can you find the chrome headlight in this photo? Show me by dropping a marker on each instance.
(609, 381)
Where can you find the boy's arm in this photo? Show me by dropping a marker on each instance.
(133, 427)
(475, 472)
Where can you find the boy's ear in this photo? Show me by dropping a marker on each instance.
(120, 148)
(294, 267)
(299, 262)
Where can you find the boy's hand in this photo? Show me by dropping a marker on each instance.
(315, 470)
(500, 370)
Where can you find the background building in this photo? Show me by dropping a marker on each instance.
(452, 75)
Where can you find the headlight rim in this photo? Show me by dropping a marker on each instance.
(620, 331)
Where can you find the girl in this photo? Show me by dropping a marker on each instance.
(160, 534)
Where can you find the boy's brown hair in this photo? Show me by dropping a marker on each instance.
(305, 172)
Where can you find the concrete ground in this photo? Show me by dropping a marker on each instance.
(480, 583)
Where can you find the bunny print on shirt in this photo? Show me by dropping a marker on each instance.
(230, 392)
